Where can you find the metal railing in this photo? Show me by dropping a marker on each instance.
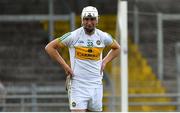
(37, 97)
(51, 17)
(22, 104)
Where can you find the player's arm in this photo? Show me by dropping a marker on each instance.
(114, 52)
(51, 48)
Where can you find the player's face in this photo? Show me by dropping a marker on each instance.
(89, 24)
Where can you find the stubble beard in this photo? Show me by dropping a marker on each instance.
(89, 30)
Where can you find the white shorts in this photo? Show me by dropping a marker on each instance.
(85, 98)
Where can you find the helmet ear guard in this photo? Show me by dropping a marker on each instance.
(89, 11)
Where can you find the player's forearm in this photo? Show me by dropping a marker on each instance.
(113, 53)
(54, 54)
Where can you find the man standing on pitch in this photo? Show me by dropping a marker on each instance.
(85, 48)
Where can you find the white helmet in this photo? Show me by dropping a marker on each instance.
(89, 11)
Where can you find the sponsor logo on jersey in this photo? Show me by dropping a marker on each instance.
(90, 50)
(85, 53)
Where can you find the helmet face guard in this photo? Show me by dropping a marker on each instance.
(89, 11)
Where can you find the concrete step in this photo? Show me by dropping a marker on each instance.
(149, 51)
(171, 85)
(34, 77)
(42, 88)
(22, 51)
(27, 62)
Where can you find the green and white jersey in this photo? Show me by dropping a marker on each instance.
(86, 55)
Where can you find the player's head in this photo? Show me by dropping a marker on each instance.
(89, 11)
(89, 18)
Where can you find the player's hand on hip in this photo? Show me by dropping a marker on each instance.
(103, 65)
(68, 70)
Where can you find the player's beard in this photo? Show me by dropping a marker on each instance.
(89, 30)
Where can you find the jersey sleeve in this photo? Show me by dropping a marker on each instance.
(66, 39)
(108, 40)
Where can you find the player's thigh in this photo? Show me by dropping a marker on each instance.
(95, 103)
(78, 99)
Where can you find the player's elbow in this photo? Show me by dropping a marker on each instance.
(48, 48)
(119, 48)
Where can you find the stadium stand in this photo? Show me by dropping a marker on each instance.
(22, 54)
(24, 62)
(142, 79)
